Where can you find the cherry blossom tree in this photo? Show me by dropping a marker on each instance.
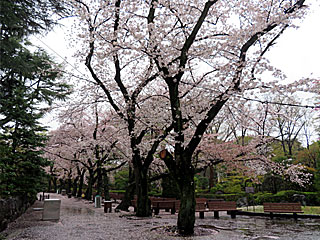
(87, 143)
(191, 57)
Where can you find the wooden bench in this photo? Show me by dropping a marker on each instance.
(229, 206)
(282, 208)
(116, 196)
(158, 203)
(166, 204)
(201, 209)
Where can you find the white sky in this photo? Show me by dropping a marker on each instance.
(297, 52)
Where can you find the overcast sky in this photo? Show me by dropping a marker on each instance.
(297, 52)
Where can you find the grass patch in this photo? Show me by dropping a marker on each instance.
(313, 210)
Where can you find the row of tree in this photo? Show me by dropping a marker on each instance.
(171, 68)
(176, 78)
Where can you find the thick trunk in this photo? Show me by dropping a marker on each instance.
(90, 185)
(81, 180)
(186, 217)
(128, 196)
(143, 201)
(62, 184)
(183, 172)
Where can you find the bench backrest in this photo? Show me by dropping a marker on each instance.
(164, 204)
(222, 205)
(118, 196)
(201, 200)
(200, 206)
(289, 207)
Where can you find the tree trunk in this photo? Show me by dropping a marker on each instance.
(49, 183)
(81, 180)
(69, 185)
(106, 185)
(75, 186)
(183, 171)
(143, 201)
(90, 185)
(62, 184)
(211, 177)
(99, 179)
(128, 196)
(186, 217)
(54, 181)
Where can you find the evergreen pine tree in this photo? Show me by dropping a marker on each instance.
(28, 81)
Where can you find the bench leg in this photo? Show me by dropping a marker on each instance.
(233, 214)
(173, 211)
(295, 216)
(271, 215)
(201, 215)
(216, 214)
(156, 211)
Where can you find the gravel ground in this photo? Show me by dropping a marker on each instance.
(80, 220)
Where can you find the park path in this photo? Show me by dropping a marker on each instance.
(79, 220)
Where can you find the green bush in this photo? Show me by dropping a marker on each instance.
(121, 179)
(285, 196)
(312, 198)
(232, 185)
(201, 182)
(261, 197)
(226, 197)
(117, 191)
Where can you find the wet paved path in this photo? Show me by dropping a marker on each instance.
(80, 220)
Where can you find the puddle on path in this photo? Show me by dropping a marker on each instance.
(78, 211)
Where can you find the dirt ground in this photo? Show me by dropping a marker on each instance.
(79, 219)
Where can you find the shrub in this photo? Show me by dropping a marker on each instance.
(201, 182)
(261, 197)
(312, 198)
(121, 179)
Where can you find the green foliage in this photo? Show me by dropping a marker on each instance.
(24, 17)
(280, 155)
(28, 80)
(226, 197)
(121, 179)
(312, 198)
(201, 182)
(316, 148)
(118, 191)
(232, 184)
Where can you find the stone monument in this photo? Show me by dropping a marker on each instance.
(51, 209)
